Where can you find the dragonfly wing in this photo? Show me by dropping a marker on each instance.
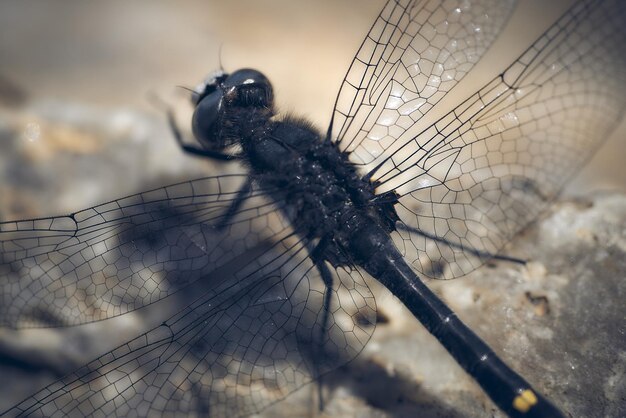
(237, 348)
(481, 173)
(414, 54)
(116, 257)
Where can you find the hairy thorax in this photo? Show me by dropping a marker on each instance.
(320, 190)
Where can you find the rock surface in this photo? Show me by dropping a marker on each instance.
(559, 320)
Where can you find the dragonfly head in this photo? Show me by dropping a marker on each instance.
(245, 88)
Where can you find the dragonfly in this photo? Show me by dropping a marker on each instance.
(377, 195)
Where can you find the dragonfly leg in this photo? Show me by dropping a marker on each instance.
(192, 149)
(480, 254)
(317, 255)
(386, 202)
(242, 195)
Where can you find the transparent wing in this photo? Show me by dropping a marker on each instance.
(478, 175)
(125, 254)
(239, 347)
(415, 52)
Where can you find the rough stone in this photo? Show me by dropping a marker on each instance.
(559, 320)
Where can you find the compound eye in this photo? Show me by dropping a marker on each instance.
(205, 121)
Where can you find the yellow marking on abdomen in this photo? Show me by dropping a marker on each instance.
(525, 400)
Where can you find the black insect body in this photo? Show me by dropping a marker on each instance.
(312, 176)
(315, 210)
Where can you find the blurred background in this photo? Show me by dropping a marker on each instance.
(78, 127)
(110, 56)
